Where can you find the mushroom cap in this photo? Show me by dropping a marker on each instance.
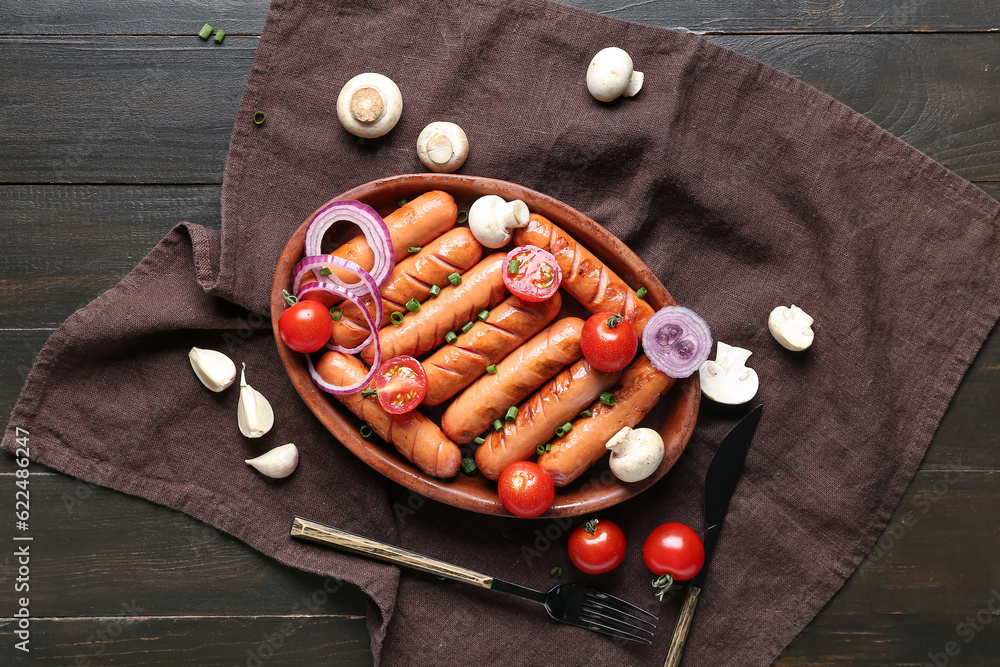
(635, 453)
(610, 73)
(791, 327)
(369, 105)
(491, 219)
(443, 147)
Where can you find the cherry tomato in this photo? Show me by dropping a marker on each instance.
(535, 276)
(306, 326)
(597, 546)
(401, 384)
(608, 342)
(526, 489)
(674, 552)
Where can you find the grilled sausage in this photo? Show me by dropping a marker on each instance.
(640, 389)
(414, 223)
(453, 252)
(520, 373)
(587, 278)
(481, 287)
(415, 436)
(454, 367)
(556, 403)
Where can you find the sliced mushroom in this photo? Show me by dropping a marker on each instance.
(369, 105)
(727, 379)
(612, 75)
(443, 147)
(791, 327)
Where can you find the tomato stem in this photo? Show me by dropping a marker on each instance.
(662, 585)
(369, 392)
(590, 526)
(289, 298)
(614, 320)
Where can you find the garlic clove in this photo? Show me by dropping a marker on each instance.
(791, 327)
(215, 370)
(278, 463)
(491, 219)
(636, 453)
(254, 414)
(727, 379)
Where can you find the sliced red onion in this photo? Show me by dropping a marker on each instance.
(366, 286)
(677, 341)
(371, 224)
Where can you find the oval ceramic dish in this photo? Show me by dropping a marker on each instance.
(597, 489)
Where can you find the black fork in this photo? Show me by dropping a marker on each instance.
(577, 605)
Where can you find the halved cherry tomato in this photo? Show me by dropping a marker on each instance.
(526, 489)
(608, 342)
(306, 326)
(597, 547)
(401, 384)
(673, 551)
(531, 273)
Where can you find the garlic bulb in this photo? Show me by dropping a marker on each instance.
(636, 453)
(278, 463)
(727, 379)
(254, 414)
(215, 370)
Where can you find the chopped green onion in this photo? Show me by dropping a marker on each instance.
(402, 202)
(369, 392)
(483, 314)
(455, 278)
(491, 369)
(479, 441)
(467, 326)
(497, 424)
(205, 32)
(413, 305)
(586, 413)
(463, 216)
(511, 414)
(414, 248)
(219, 36)
(556, 571)
(396, 317)
(469, 465)
(548, 446)
(607, 398)
(450, 337)
(641, 292)
(435, 290)
(540, 450)
(361, 141)
(258, 117)
(337, 313)
(512, 267)
(290, 299)
(325, 271)
(366, 431)
(564, 429)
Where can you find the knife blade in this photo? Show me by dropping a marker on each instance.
(720, 483)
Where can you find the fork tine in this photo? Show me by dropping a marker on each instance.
(617, 614)
(604, 629)
(616, 603)
(609, 619)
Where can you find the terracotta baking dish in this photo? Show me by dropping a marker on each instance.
(674, 417)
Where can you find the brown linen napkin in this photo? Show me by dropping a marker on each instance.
(741, 187)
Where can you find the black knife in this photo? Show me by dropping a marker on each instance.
(720, 482)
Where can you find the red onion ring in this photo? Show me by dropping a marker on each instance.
(366, 286)
(371, 224)
(677, 341)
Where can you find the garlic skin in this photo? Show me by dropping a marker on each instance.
(278, 463)
(215, 370)
(254, 414)
(636, 453)
(491, 219)
(727, 379)
(791, 327)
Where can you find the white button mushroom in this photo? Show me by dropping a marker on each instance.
(791, 327)
(636, 453)
(727, 379)
(369, 105)
(611, 75)
(443, 147)
(491, 219)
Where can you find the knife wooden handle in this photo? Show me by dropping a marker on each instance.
(682, 627)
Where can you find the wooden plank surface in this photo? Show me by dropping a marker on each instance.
(176, 592)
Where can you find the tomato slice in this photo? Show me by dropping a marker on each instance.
(401, 384)
(535, 276)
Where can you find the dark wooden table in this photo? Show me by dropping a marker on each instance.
(114, 124)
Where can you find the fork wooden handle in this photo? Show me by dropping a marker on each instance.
(682, 628)
(318, 532)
